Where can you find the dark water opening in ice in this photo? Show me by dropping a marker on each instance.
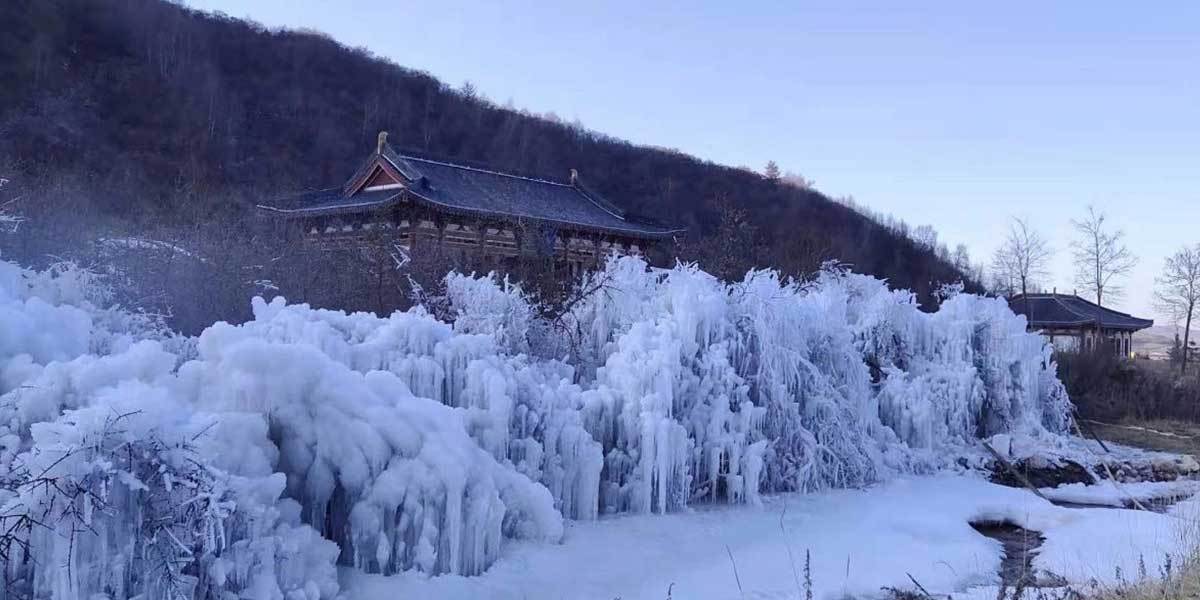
(1020, 546)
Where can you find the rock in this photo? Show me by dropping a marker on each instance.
(1168, 468)
(1186, 465)
(1042, 472)
(1162, 463)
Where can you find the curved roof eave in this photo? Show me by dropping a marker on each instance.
(632, 232)
(373, 204)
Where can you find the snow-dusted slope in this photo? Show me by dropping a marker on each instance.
(251, 458)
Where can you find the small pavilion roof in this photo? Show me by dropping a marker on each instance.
(1063, 310)
(470, 190)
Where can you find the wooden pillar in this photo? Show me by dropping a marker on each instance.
(439, 223)
(598, 255)
(414, 230)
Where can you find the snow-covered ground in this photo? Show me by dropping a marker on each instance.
(1111, 493)
(858, 541)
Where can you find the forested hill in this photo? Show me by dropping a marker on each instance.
(144, 111)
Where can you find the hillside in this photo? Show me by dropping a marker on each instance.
(1158, 340)
(141, 114)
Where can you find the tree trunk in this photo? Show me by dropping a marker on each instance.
(1025, 297)
(1187, 332)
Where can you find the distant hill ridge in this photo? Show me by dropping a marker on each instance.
(157, 112)
(1158, 340)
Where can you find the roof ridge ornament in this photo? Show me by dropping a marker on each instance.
(574, 177)
(381, 142)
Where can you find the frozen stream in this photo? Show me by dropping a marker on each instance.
(1022, 545)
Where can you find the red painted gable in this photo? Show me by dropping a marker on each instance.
(381, 177)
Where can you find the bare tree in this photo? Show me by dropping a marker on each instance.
(734, 249)
(961, 259)
(1000, 283)
(925, 236)
(1100, 256)
(798, 180)
(1021, 258)
(1178, 290)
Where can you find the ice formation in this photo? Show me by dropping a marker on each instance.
(249, 460)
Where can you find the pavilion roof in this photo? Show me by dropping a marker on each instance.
(1063, 310)
(470, 190)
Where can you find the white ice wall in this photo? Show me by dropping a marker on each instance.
(410, 443)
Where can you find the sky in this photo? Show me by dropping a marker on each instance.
(960, 115)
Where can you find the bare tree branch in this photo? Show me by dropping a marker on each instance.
(1101, 256)
(1022, 258)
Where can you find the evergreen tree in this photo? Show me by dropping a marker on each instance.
(772, 171)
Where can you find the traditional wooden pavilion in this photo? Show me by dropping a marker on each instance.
(1073, 323)
(415, 203)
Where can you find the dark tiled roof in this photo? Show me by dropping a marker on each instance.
(1061, 310)
(475, 191)
(331, 200)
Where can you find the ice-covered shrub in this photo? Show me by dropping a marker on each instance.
(123, 498)
(524, 413)
(65, 311)
(393, 477)
(112, 485)
(491, 306)
(698, 389)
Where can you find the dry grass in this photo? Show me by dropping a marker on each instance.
(1164, 435)
(1184, 584)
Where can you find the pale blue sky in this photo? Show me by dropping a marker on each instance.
(956, 114)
